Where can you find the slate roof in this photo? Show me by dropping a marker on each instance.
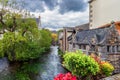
(99, 36)
(83, 26)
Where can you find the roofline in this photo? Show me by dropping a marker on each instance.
(107, 25)
(81, 25)
(104, 26)
(69, 27)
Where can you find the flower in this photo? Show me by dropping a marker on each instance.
(67, 76)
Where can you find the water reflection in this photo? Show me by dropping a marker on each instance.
(50, 64)
(45, 68)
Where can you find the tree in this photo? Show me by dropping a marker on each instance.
(21, 38)
(54, 36)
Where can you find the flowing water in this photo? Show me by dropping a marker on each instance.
(50, 66)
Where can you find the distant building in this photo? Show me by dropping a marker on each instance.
(103, 11)
(67, 33)
(60, 40)
(82, 27)
(38, 20)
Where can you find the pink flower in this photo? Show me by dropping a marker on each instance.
(74, 78)
(67, 76)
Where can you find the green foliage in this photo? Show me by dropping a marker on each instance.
(30, 68)
(80, 64)
(60, 53)
(22, 76)
(27, 69)
(79, 51)
(46, 39)
(106, 68)
(1, 49)
(22, 40)
(18, 47)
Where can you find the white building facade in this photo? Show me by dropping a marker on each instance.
(102, 12)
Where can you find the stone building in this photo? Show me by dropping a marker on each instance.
(103, 41)
(66, 33)
(63, 42)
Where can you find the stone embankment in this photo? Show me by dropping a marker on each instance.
(114, 77)
(4, 69)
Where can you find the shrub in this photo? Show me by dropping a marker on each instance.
(22, 76)
(96, 58)
(1, 49)
(80, 64)
(61, 53)
(21, 48)
(67, 76)
(106, 68)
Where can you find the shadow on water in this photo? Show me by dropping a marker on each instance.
(45, 68)
(50, 65)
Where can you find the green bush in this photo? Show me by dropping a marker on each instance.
(20, 48)
(1, 49)
(106, 68)
(22, 76)
(60, 52)
(80, 64)
(27, 70)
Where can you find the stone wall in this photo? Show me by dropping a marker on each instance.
(114, 77)
(114, 59)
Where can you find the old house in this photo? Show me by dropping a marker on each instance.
(66, 33)
(63, 42)
(60, 39)
(104, 41)
(71, 46)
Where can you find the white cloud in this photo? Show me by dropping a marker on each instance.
(53, 18)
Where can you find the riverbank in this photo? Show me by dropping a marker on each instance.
(44, 68)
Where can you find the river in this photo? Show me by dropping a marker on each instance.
(50, 64)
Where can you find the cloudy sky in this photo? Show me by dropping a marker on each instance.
(56, 14)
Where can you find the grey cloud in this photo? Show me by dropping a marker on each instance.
(72, 5)
(33, 5)
(51, 3)
(64, 5)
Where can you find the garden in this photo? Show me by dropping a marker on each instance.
(84, 67)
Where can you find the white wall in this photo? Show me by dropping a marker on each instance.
(104, 11)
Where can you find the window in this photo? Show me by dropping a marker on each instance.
(79, 46)
(91, 15)
(91, 6)
(108, 48)
(84, 47)
(91, 20)
(118, 48)
(73, 45)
